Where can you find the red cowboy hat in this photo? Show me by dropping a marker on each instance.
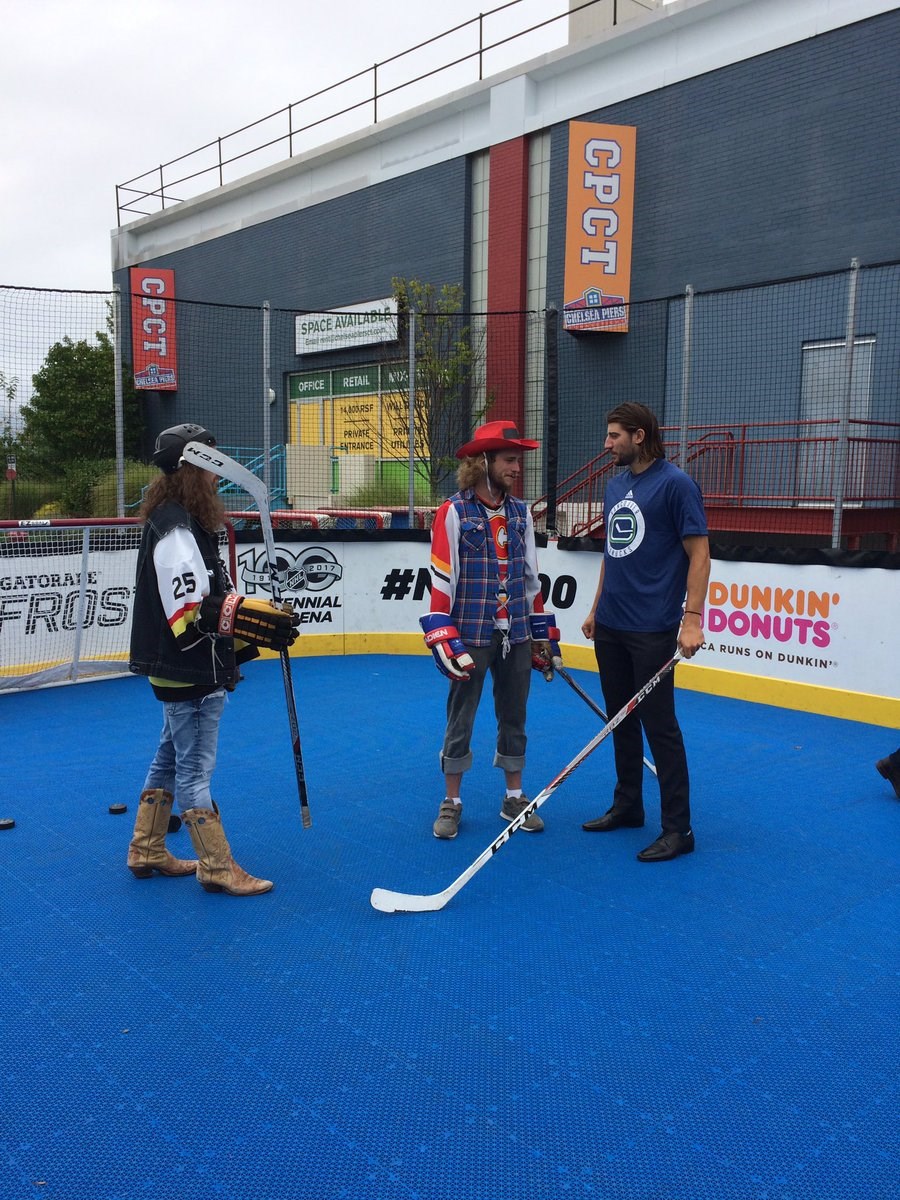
(495, 435)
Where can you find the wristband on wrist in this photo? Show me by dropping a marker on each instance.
(230, 604)
(693, 612)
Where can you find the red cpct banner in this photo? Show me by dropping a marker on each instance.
(153, 329)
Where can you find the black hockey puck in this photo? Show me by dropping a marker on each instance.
(174, 823)
(118, 809)
(6, 823)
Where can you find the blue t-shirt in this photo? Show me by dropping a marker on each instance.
(644, 563)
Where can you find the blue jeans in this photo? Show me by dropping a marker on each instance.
(512, 680)
(186, 756)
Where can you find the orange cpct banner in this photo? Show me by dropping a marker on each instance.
(153, 329)
(599, 219)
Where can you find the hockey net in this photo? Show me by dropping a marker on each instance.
(66, 589)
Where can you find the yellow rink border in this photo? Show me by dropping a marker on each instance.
(734, 685)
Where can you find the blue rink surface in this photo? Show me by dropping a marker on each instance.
(573, 1024)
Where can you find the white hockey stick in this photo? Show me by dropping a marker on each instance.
(559, 669)
(208, 458)
(387, 901)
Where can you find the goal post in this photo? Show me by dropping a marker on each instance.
(66, 590)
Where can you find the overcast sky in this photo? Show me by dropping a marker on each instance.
(94, 92)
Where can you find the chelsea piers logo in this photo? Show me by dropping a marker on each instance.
(304, 577)
(626, 529)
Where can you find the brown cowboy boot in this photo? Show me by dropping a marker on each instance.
(147, 852)
(217, 870)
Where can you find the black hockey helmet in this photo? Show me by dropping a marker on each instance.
(171, 443)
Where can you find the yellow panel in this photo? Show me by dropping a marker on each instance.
(356, 425)
(309, 415)
(395, 409)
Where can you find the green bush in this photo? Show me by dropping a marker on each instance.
(79, 478)
(103, 493)
(391, 493)
(49, 511)
(30, 496)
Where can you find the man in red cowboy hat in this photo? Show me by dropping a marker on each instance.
(487, 614)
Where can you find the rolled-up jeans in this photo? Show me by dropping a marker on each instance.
(512, 680)
(186, 756)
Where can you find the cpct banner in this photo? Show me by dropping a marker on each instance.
(599, 216)
(153, 329)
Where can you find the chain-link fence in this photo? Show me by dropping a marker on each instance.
(781, 399)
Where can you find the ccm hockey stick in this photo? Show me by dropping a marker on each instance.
(208, 458)
(387, 901)
(559, 669)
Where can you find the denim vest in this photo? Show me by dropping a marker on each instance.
(475, 603)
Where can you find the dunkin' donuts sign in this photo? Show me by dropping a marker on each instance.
(153, 329)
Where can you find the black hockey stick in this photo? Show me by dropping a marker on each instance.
(559, 669)
(210, 459)
(387, 901)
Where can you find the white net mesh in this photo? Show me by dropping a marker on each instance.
(65, 600)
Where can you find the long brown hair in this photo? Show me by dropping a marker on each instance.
(632, 416)
(192, 488)
(470, 472)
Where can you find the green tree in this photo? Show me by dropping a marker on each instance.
(9, 386)
(71, 415)
(449, 358)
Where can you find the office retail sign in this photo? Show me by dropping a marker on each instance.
(599, 217)
(344, 328)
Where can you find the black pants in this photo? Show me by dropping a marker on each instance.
(626, 661)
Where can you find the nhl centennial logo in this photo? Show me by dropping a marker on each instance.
(304, 577)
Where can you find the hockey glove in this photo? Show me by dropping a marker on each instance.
(259, 622)
(544, 642)
(450, 655)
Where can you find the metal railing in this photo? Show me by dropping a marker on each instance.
(358, 99)
(765, 465)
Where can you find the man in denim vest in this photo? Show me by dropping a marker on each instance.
(487, 614)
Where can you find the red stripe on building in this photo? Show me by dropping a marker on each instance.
(507, 265)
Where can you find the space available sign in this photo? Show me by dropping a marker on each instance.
(344, 328)
(153, 345)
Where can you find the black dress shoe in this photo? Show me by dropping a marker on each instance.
(613, 820)
(888, 771)
(668, 845)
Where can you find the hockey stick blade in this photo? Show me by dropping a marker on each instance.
(559, 669)
(209, 458)
(387, 901)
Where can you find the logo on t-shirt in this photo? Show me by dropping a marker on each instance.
(501, 545)
(625, 529)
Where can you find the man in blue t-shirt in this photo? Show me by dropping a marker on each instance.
(649, 601)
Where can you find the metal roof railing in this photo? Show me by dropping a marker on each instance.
(345, 106)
